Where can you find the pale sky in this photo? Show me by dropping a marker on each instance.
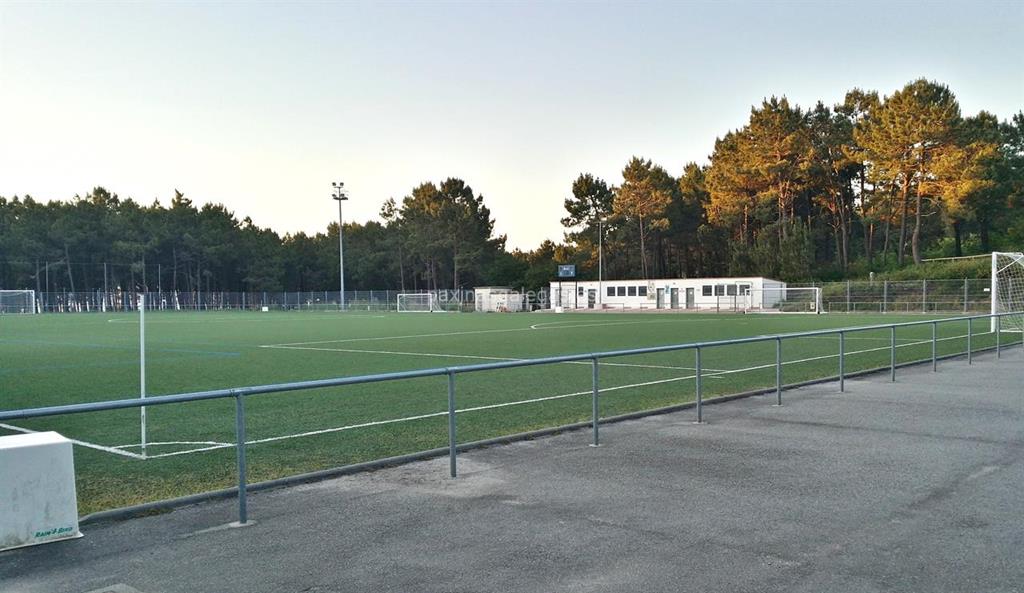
(260, 106)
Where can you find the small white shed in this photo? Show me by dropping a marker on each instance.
(498, 299)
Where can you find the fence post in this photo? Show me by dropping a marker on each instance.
(594, 404)
(243, 514)
(892, 353)
(970, 330)
(842, 370)
(935, 360)
(885, 296)
(699, 387)
(847, 296)
(451, 424)
(924, 296)
(778, 371)
(965, 295)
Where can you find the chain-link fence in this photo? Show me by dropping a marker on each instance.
(911, 296)
(882, 296)
(322, 300)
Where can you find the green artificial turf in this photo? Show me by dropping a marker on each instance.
(68, 358)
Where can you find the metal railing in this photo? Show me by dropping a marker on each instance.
(240, 393)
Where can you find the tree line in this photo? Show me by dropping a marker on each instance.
(873, 183)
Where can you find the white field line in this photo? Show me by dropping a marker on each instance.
(478, 357)
(710, 374)
(229, 320)
(157, 443)
(114, 450)
(534, 327)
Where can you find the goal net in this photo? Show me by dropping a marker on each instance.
(781, 300)
(1008, 290)
(424, 302)
(17, 301)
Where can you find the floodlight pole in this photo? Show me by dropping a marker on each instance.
(600, 261)
(340, 195)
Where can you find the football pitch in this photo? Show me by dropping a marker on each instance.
(58, 359)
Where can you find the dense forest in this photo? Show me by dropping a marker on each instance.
(874, 183)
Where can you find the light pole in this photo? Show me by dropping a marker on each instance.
(340, 195)
(600, 262)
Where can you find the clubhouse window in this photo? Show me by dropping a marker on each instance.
(719, 290)
(632, 291)
(611, 291)
(705, 290)
(642, 291)
(730, 290)
(622, 290)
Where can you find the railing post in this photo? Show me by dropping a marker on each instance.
(935, 360)
(594, 405)
(778, 371)
(451, 424)
(243, 511)
(842, 370)
(970, 330)
(699, 390)
(892, 353)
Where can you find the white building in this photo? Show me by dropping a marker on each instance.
(500, 299)
(698, 294)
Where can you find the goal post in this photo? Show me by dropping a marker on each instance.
(1007, 290)
(18, 302)
(782, 299)
(420, 302)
